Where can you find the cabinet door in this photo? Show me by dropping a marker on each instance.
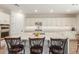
(72, 46)
(4, 34)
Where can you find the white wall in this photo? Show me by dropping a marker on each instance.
(17, 23)
(4, 18)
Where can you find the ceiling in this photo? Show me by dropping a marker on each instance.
(41, 8)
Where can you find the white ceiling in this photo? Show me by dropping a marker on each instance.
(42, 8)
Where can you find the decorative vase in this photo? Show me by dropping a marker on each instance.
(37, 34)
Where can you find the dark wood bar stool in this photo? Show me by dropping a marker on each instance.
(15, 45)
(36, 45)
(57, 46)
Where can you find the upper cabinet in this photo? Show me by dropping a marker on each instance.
(57, 21)
(50, 24)
(4, 18)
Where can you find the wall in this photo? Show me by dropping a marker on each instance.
(16, 23)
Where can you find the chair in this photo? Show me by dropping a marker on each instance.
(57, 46)
(15, 45)
(36, 45)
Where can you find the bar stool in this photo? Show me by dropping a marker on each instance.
(36, 45)
(57, 46)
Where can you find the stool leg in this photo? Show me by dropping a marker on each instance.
(77, 49)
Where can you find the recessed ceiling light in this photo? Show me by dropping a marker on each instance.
(36, 10)
(51, 11)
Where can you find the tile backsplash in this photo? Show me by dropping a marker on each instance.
(63, 34)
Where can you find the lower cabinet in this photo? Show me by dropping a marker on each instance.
(4, 34)
(72, 46)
